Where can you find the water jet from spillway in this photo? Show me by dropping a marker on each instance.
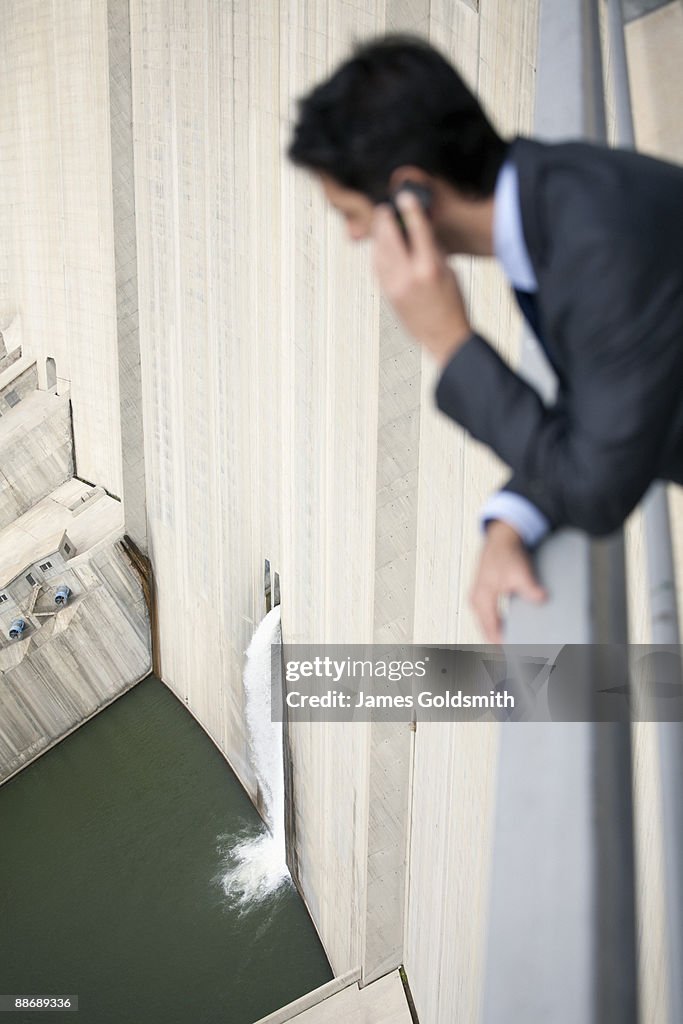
(254, 867)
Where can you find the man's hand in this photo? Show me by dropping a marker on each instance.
(504, 568)
(418, 281)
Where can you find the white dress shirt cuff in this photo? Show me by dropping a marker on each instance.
(518, 512)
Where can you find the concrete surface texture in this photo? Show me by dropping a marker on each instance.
(18, 381)
(86, 513)
(308, 435)
(638, 8)
(247, 367)
(56, 530)
(56, 229)
(35, 452)
(71, 660)
(76, 659)
(382, 1002)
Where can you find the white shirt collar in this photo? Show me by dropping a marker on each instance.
(508, 235)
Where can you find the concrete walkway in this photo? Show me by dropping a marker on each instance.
(382, 1002)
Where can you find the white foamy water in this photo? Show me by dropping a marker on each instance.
(254, 867)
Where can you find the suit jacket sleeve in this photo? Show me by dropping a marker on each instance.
(588, 460)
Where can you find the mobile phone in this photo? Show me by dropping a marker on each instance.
(424, 195)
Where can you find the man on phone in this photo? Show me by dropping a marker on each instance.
(591, 242)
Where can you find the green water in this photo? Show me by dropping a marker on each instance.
(109, 854)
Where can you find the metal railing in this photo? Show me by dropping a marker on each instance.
(663, 608)
(562, 934)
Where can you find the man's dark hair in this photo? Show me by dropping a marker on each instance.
(396, 101)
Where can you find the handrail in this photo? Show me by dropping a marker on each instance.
(561, 943)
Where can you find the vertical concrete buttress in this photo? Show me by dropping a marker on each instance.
(398, 442)
(125, 259)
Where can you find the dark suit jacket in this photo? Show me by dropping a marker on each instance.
(604, 232)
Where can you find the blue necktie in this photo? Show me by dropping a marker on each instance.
(529, 307)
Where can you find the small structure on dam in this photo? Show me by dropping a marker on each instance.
(34, 578)
(64, 575)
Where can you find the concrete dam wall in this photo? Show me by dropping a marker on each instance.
(237, 380)
(308, 436)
